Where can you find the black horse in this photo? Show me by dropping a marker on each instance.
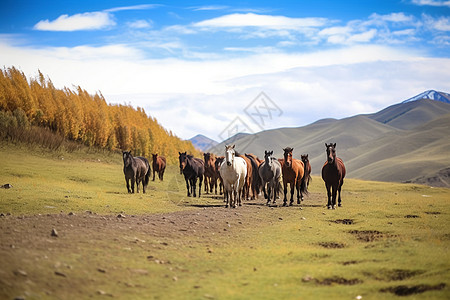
(136, 169)
(192, 168)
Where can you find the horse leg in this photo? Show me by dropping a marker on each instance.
(137, 185)
(187, 187)
(153, 174)
(127, 181)
(339, 194)
(299, 192)
(206, 184)
(328, 186)
(269, 191)
(333, 195)
(193, 186)
(292, 185)
(200, 185)
(285, 193)
(143, 186)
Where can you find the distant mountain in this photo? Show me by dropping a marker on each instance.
(202, 142)
(407, 115)
(406, 142)
(432, 95)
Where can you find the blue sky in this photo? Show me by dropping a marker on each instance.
(198, 67)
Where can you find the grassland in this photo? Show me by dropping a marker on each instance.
(388, 240)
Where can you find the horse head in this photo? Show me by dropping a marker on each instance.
(218, 162)
(305, 158)
(127, 158)
(154, 157)
(288, 156)
(183, 161)
(331, 153)
(229, 155)
(267, 157)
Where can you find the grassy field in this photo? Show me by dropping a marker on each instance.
(388, 240)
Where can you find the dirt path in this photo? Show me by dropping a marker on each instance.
(35, 250)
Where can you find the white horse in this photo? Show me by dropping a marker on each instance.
(233, 171)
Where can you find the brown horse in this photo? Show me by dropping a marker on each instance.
(256, 183)
(136, 170)
(159, 165)
(307, 175)
(333, 173)
(217, 163)
(293, 171)
(210, 172)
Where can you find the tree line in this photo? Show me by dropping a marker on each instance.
(78, 116)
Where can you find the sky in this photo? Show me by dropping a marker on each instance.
(218, 68)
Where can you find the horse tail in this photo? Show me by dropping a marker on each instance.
(304, 184)
(149, 170)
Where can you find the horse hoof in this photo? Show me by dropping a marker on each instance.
(334, 206)
(329, 206)
(340, 205)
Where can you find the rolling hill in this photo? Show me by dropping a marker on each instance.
(406, 142)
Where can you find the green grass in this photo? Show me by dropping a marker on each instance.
(399, 236)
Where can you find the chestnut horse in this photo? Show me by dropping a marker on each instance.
(293, 171)
(256, 183)
(333, 173)
(210, 173)
(159, 165)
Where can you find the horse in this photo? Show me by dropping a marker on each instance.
(159, 165)
(217, 164)
(210, 172)
(192, 168)
(136, 170)
(256, 180)
(293, 171)
(333, 173)
(270, 174)
(233, 172)
(307, 176)
(248, 178)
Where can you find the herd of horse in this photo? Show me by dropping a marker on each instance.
(243, 176)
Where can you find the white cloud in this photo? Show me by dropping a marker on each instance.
(84, 21)
(431, 2)
(393, 17)
(132, 7)
(262, 21)
(440, 24)
(140, 24)
(209, 7)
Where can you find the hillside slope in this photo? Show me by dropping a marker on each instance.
(404, 142)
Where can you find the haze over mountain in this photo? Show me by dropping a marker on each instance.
(202, 142)
(405, 142)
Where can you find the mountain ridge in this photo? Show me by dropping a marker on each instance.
(405, 142)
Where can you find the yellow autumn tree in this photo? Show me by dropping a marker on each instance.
(82, 117)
